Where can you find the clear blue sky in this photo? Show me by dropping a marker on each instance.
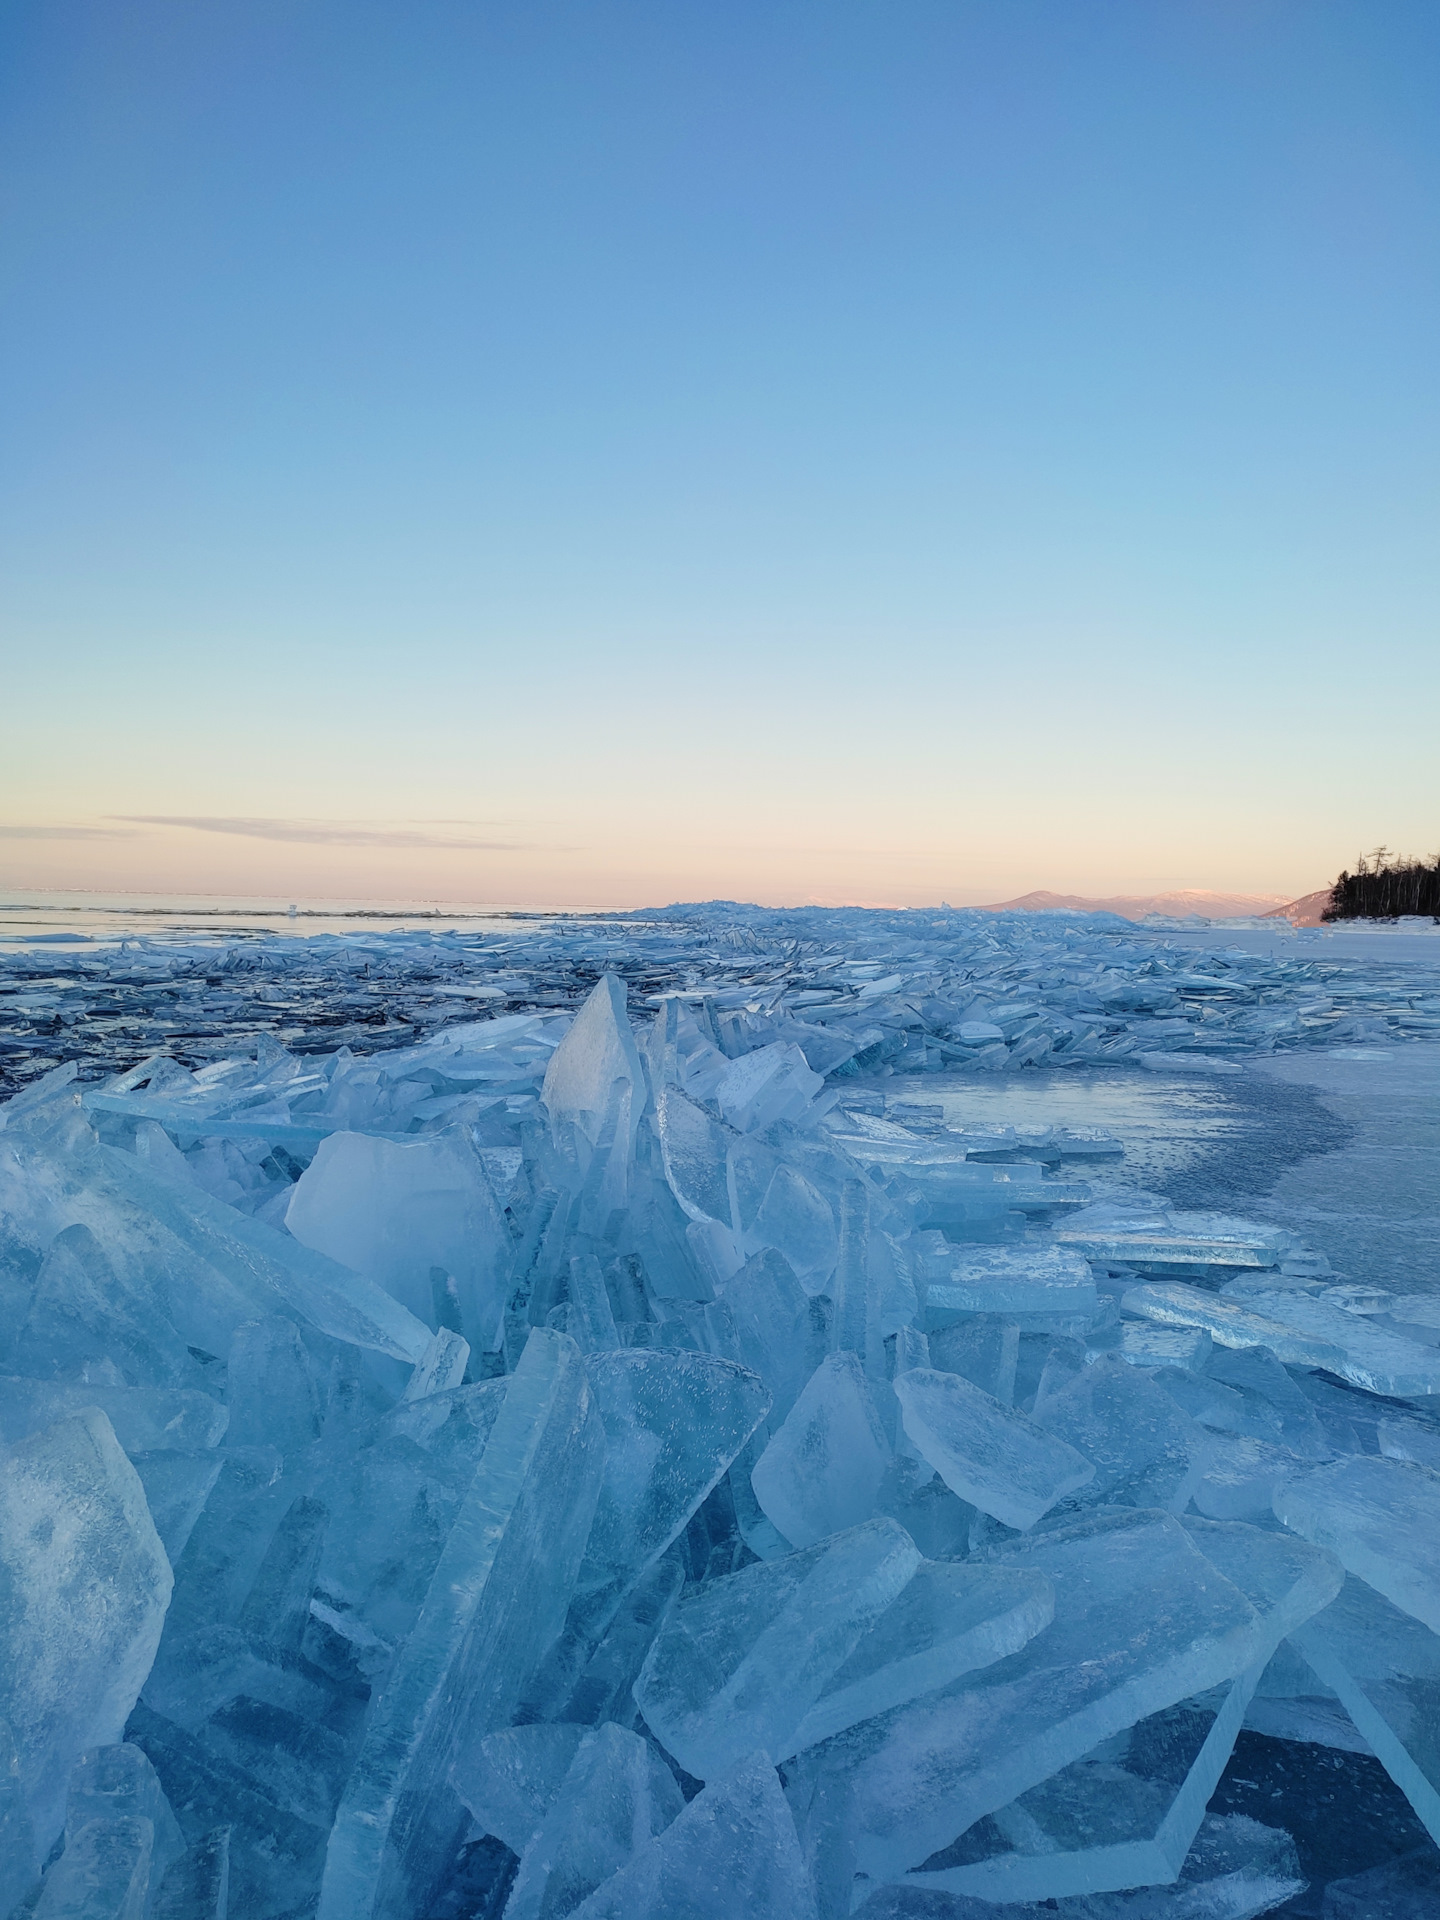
(634, 451)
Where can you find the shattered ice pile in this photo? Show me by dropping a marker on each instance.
(618, 1464)
(915, 991)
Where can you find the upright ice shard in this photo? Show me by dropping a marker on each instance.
(822, 1469)
(596, 1086)
(673, 1422)
(103, 1874)
(84, 1584)
(986, 1453)
(496, 1602)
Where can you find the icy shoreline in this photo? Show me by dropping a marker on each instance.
(620, 1451)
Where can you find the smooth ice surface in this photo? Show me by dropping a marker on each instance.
(822, 1469)
(1381, 1518)
(84, 1584)
(987, 1453)
(739, 1664)
(103, 1874)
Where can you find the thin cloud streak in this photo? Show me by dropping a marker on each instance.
(323, 833)
(67, 833)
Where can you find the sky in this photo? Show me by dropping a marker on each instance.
(610, 453)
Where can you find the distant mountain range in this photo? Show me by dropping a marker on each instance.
(1185, 900)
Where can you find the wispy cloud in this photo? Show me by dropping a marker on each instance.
(67, 833)
(330, 833)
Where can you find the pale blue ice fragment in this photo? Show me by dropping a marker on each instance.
(764, 1319)
(695, 1150)
(1185, 1348)
(733, 1854)
(197, 1886)
(673, 1423)
(224, 1549)
(103, 1874)
(440, 1367)
(1241, 1476)
(1231, 1324)
(986, 1453)
(392, 1505)
(595, 1080)
(1379, 1359)
(144, 1419)
(616, 1795)
(915, 1778)
(496, 1602)
(272, 1393)
(948, 1620)
(83, 1310)
(591, 1320)
(1145, 1450)
(769, 1084)
(1381, 1517)
(1127, 1814)
(605, 1689)
(175, 1237)
(796, 1219)
(391, 1210)
(84, 1584)
(509, 1780)
(1274, 1408)
(277, 1607)
(822, 1468)
(742, 1660)
(1019, 1280)
(985, 1350)
(118, 1782)
(1385, 1666)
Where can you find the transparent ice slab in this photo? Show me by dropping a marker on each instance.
(986, 1453)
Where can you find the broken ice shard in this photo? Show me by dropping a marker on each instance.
(739, 1663)
(394, 1209)
(573, 1802)
(85, 1588)
(986, 1453)
(821, 1470)
(496, 1601)
(732, 1851)
(1385, 1667)
(1381, 1518)
(915, 1778)
(1145, 1451)
(1013, 1281)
